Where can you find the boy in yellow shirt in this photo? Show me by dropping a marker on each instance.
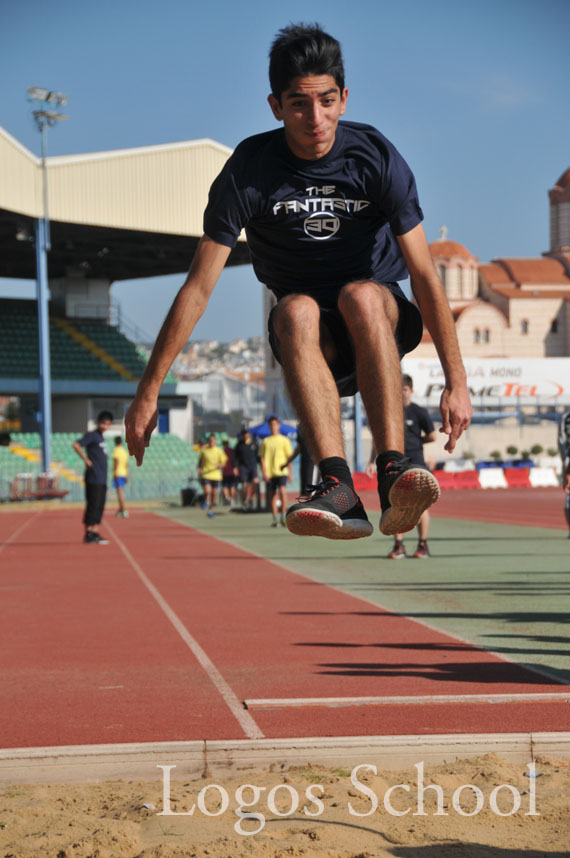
(120, 474)
(274, 453)
(212, 460)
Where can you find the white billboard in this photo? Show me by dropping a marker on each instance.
(497, 381)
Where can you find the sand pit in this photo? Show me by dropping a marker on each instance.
(123, 819)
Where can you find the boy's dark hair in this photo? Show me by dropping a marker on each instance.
(104, 415)
(407, 381)
(300, 50)
(118, 440)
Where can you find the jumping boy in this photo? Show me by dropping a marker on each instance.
(333, 221)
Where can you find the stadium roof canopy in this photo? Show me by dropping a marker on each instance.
(115, 215)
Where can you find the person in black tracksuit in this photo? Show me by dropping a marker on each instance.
(92, 449)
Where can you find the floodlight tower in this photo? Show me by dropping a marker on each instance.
(46, 114)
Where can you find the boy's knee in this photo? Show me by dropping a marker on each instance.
(294, 313)
(364, 299)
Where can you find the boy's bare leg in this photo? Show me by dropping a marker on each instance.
(371, 315)
(334, 510)
(309, 380)
(121, 498)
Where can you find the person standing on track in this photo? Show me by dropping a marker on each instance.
(332, 219)
(212, 460)
(229, 474)
(120, 475)
(275, 453)
(418, 430)
(92, 449)
(246, 457)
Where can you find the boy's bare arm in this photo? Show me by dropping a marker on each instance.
(455, 405)
(186, 310)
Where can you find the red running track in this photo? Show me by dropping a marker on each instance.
(161, 636)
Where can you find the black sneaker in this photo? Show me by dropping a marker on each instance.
(333, 510)
(92, 538)
(406, 491)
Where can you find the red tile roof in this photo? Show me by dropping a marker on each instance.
(446, 248)
(494, 274)
(544, 270)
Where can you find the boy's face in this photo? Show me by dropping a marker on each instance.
(310, 109)
(103, 425)
(274, 427)
(407, 394)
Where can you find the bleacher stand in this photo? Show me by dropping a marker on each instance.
(169, 464)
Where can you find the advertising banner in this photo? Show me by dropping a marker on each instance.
(496, 381)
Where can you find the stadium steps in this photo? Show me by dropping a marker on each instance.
(87, 343)
(32, 456)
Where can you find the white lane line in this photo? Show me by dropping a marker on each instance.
(18, 531)
(336, 702)
(244, 719)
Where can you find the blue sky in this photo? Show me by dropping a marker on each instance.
(474, 94)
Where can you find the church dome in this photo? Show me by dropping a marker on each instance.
(446, 248)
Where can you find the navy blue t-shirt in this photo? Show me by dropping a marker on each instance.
(316, 225)
(96, 450)
(417, 423)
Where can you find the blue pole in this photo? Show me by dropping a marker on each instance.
(43, 338)
(357, 433)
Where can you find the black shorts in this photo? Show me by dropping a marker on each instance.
(247, 475)
(95, 495)
(277, 482)
(229, 481)
(408, 335)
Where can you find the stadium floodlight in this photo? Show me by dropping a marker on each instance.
(44, 116)
(37, 93)
(48, 117)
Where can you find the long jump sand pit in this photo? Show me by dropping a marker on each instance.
(483, 807)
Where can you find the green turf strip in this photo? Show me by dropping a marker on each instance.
(500, 587)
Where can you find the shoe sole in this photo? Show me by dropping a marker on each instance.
(409, 497)
(397, 556)
(312, 522)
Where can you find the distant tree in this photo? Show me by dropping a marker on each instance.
(552, 451)
(495, 454)
(537, 449)
(512, 450)
(469, 455)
